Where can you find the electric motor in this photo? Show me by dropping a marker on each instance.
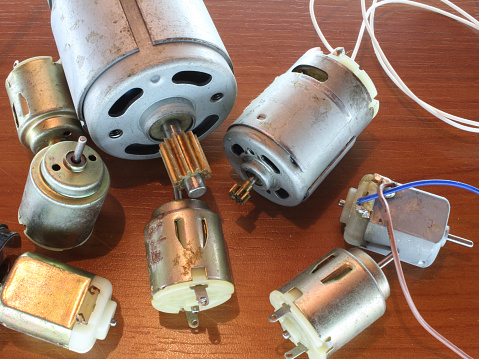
(188, 262)
(289, 138)
(55, 302)
(66, 186)
(41, 103)
(134, 66)
(330, 302)
(420, 222)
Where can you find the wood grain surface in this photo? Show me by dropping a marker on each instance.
(269, 244)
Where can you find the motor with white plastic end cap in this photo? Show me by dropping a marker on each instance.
(290, 137)
(330, 302)
(420, 222)
(188, 262)
(55, 302)
(65, 190)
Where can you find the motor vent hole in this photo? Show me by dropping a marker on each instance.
(124, 102)
(206, 125)
(271, 164)
(142, 150)
(282, 193)
(311, 71)
(196, 78)
(237, 149)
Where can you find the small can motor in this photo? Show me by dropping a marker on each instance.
(66, 186)
(420, 222)
(134, 66)
(290, 137)
(188, 262)
(58, 303)
(41, 103)
(330, 302)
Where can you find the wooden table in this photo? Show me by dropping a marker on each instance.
(269, 244)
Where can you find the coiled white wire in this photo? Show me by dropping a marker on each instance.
(368, 24)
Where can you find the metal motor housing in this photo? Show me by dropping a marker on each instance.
(330, 302)
(292, 135)
(41, 103)
(420, 222)
(188, 261)
(133, 65)
(62, 200)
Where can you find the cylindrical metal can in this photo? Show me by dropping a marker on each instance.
(133, 65)
(41, 103)
(292, 135)
(62, 199)
(331, 302)
(188, 262)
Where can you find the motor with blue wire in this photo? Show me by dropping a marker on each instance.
(420, 219)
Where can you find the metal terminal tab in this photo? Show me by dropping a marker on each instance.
(241, 193)
(88, 305)
(296, 351)
(201, 295)
(461, 241)
(281, 312)
(286, 335)
(342, 203)
(192, 317)
(362, 211)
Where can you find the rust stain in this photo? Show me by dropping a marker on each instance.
(191, 257)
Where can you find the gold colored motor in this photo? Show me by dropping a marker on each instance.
(58, 303)
(41, 103)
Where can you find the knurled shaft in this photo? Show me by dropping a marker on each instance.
(184, 158)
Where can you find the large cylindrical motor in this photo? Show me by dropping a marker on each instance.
(132, 66)
(330, 302)
(290, 137)
(63, 197)
(188, 262)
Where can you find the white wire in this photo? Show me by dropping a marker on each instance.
(368, 24)
(316, 27)
(402, 280)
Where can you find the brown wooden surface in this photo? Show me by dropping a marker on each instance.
(269, 244)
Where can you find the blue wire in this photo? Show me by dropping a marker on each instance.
(433, 182)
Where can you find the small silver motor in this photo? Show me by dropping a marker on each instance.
(134, 67)
(188, 262)
(290, 137)
(66, 186)
(419, 220)
(330, 302)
